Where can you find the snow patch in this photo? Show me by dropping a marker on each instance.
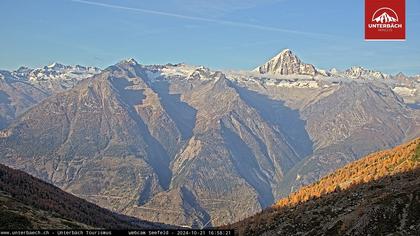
(404, 91)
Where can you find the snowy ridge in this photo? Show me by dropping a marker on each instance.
(286, 64)
(407, 87)
(284, 70)
(54, 71)
(57, 77)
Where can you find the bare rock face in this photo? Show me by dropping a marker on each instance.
(286, 63)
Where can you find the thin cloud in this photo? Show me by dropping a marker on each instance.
(202, 19)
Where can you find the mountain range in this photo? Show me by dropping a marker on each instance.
(186, 145)
(25, 87)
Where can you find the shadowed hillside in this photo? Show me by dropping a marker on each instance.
(377, 195)
(29, 203)
(15, 214)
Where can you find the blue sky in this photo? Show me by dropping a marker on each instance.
(220, 34)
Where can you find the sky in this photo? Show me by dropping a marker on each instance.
(220, 34)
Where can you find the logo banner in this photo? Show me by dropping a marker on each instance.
(385, 20)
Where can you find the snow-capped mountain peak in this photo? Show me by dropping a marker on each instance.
(285, 52)
(55, 66)
(55, 76)
(357, 72)
(286, 63)
(130, 61)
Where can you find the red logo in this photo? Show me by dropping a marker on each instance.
(385, 19)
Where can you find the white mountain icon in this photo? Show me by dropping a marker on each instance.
(385, 18)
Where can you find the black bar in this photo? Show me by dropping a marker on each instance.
(163, 232)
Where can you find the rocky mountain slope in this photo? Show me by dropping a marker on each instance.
(186, 145)
(341, 124)
(16, 97)
(118, 140)
(29, 203)
(23, 88)
(376, 195)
